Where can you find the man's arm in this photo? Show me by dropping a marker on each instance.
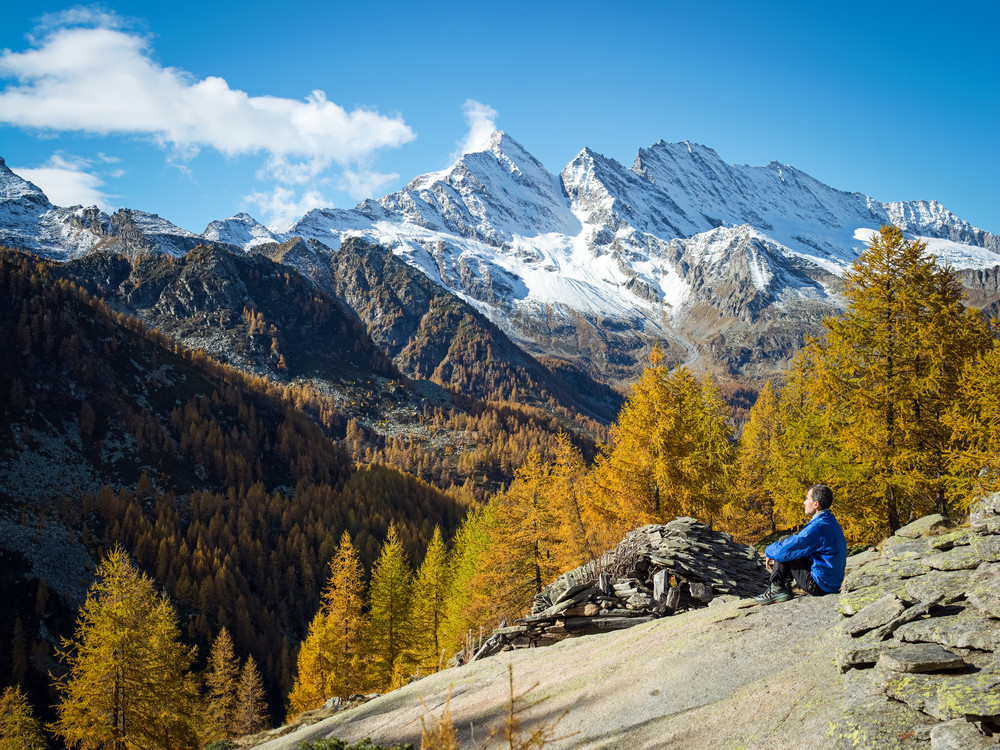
(803, 544)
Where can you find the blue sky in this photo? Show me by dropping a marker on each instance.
(197, 111)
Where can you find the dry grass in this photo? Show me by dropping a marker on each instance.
(439, 731)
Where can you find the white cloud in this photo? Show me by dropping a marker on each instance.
(283, 207)
(66, 181)
(103, 80)
(482, 124)
(363, 183)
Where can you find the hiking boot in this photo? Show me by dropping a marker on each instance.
(775, 593)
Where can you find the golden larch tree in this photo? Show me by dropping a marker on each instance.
(429, 602)
(127, 686)
(390, 616)
(220, 688)
(19, 729)
(251, 702)
(330, 658)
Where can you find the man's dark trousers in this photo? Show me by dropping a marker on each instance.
(783, 572)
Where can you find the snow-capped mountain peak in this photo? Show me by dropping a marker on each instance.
(593, 263)
(14, 187)
(241, 230)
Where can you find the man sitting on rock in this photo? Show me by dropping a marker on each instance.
(815, 557)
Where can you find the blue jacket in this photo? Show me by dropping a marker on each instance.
(822, 540)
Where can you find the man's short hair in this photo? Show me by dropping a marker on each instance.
(822, 495)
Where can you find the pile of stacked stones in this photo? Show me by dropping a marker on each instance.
(656, 570)
(921, 636)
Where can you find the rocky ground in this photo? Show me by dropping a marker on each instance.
(903, 658)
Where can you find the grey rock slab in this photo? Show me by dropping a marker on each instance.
(948, 697)
(575, 592)
(984, 507)
(937, 584)
(661, 582)
(959, 558)
(920, 657)
(959, 734)
(987, 547)
(905, 549)
(874, 615)
(702, 592)
(922, 526)
(856, 561)
(908, 615)
(853, 602)
(988, 526)
(956, 538)
(863, 651)
(967, 628)
(984, 589)
(905, 568)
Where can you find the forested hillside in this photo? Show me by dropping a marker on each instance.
(229, 490)
(258, 508)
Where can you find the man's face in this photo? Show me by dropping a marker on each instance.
(810, 506)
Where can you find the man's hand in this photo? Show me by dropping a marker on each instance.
(768, 563)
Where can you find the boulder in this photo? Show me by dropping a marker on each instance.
(984, 589)
(984, 508)
(955, 538)
(987, 547)
(922, 526)
(947, 697)
(959, 734)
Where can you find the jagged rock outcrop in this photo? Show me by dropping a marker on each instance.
(922, 620)
(655, 571)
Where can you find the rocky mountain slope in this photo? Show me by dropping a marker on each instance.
(906, 657)
(729, 264)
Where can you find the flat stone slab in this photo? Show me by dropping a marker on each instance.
(959, 558)
(874, 615)
(948, 697)
(593, 625)
(968, 628)
(901, 548)
(922, 526)
(983, 508)
(987, 547)
(863, 651)
(959, 734)
(901, 569)
(921, 657)
(984, 589)
(853, 602)
(956, 538)
(907, 615)
(937, 584)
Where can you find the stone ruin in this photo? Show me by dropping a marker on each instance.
(655, 571)
(920, 637)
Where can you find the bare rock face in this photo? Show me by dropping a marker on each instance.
(926, 616)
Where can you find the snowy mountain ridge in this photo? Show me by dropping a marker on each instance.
(730, 261)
